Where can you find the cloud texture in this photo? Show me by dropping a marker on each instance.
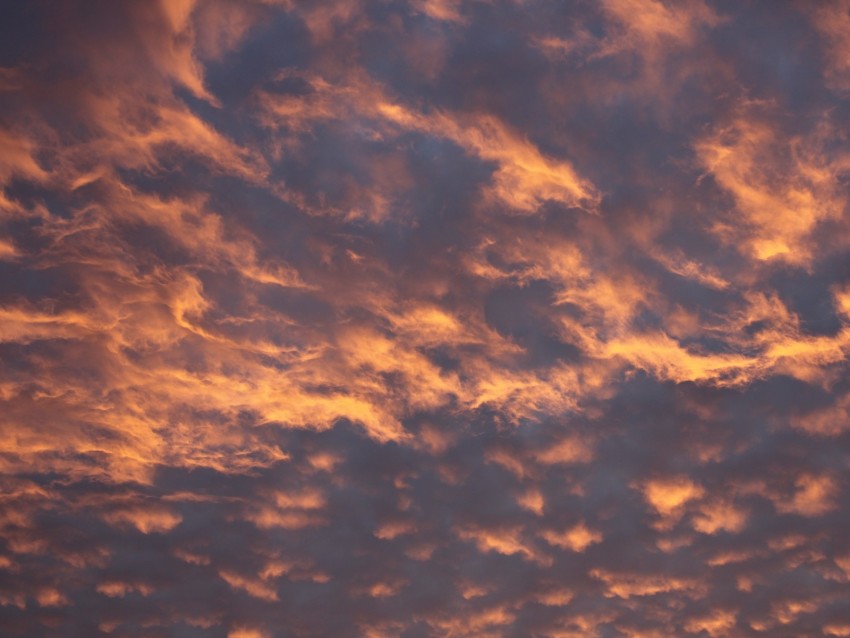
(492, 318)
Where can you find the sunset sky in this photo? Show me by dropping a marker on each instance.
(425, 318)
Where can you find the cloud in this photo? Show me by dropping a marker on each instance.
(830, 19)
(780, 202)
(577, 538)
(423, 318)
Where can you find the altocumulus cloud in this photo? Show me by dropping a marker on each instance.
(491, 318)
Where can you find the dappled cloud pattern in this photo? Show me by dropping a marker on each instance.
(491, 318)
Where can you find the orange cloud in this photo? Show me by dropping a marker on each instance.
(814, 495)
(780, 202)
(577, 538)
(669, 496)
(832, 20)
(146, 519)
(652, 21)
(255, 587)
(717, 516)
(623, 585)
(525, 177)
(505, 541)
(718, 623)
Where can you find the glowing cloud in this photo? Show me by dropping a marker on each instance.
(424, 318)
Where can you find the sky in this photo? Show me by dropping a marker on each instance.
(414, 318)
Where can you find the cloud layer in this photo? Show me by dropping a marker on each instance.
(424, 318)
